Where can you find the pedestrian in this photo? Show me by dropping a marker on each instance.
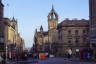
(77, 52)
(69, 53)
(1, 59)
(4, 58)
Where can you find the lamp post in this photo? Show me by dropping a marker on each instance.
(6, 52)
(15, 49)
(50, 48)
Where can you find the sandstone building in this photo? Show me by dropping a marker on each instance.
(10, 39)
(73, 34)
(62, 36)
(42, 38)
(69, 34)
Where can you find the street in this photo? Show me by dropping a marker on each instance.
(52, 61)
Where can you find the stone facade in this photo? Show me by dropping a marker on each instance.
(52, 26)
(60, 37)
(92, 14)
(45, 39)
(10, 39)
(73, 34)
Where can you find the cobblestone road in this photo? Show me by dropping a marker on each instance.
(53, 61)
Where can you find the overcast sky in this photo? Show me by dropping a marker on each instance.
(31, 14)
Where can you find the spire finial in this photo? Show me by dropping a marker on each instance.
(41, 28)
(13, 18)
(52, 7)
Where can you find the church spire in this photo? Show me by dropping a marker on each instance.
(53, 7)
(52, 19)
(41, 28)
(13, 18)
(52, 14)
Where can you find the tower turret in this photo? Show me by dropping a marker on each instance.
(52, 15)
(41, 29)
(52, 19)
(14, 24)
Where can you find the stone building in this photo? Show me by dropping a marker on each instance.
(40, 38)
(45, 39)
(92, 16)
(52, 26)
(10, 39)
(60, 37)
(73, 34)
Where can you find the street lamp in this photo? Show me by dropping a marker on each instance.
(6, 52)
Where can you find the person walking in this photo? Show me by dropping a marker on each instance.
(4, 59)
(77, 53)
(1, 60)
(69, 53)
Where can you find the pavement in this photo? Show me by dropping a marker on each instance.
(53, 61)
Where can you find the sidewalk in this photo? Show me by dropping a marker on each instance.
(81, 60)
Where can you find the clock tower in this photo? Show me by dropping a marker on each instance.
(52, 19)
(52, 26)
